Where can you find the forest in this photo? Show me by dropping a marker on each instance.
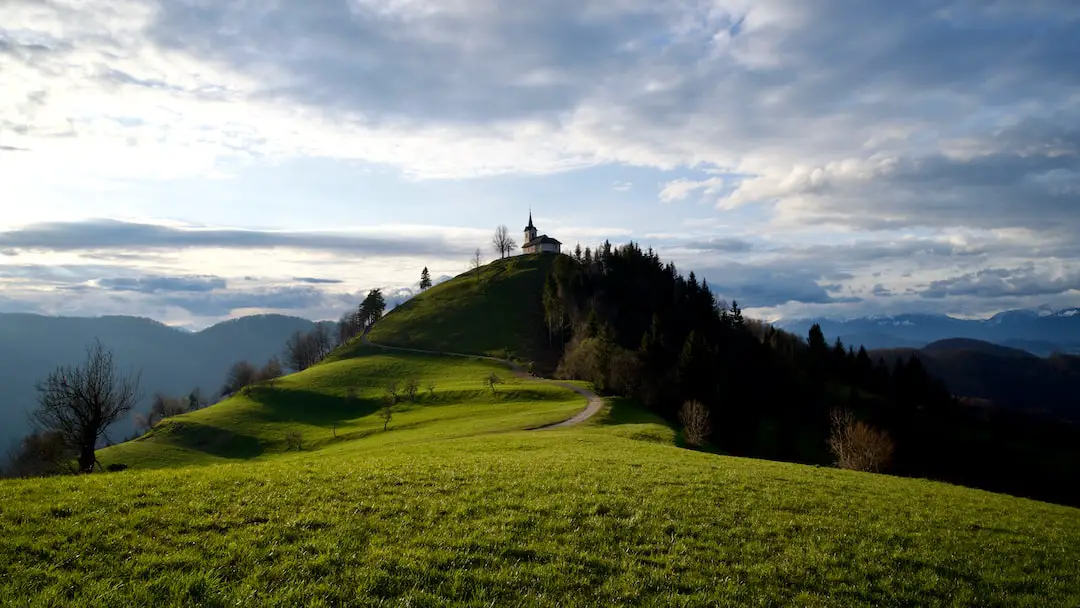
(630, 323)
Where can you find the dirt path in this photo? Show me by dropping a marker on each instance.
(595, 403)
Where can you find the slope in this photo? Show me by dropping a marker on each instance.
(581, 516)
(501, 314)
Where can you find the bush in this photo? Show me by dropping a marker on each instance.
(694, 417)
(116, 467)
(294, 440)
(857, 446)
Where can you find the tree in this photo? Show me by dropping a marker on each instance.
(491, 381)
(302, 350)
(196, 401)
(386, 412)
(476, 263)
(857, 446)
(163, 407)
(271, 371)
(294, 439)
(241, 374)
(40, 454)
(502, 242)
(694, 417)
(430, 388)
(371, 309)
(412, 386)
(80, 403)
(425, 279)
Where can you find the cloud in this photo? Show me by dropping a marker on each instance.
(156, 284)
(621, 186)
(315, 281)
(1005, 282)
(112, 234)
(680, 189)
(725, 244)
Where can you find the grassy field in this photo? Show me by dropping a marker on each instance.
(502, 315)
(456, 504)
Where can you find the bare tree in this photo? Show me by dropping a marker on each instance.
(163, 407)
(80, 403)
(694, 417)
(502, 242)
(302, 350)
(271, 371)
(858, 446)
(40, 454)
(491, 381)
(430, 388)
(241, 374)
(392, 392)
(412, 386)
(476, 263)
(294, 440)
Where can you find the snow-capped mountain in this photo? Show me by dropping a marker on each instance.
(1041, 330)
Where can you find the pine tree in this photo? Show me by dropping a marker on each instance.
(425, 279)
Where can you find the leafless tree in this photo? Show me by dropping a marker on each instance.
(392, 392)
(349, 326)
(80, 403)
(694, 417)
(430, 388)
(40, 454)
(491, 381)
(302, 350)
(271, 371)
(502, 242)
(412, 386)
(294, 440)
(476, 263)
(163, 407)
(858, 446)
(241, 374)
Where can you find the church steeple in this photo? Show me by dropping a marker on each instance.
(530, 230)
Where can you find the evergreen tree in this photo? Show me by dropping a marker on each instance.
(425, 279)
(372, 308)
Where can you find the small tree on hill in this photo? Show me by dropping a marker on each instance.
(371, 309)
(694, 417)
(80, 403)
(858, 446)
(392, 392)
(491, 381)
(386, 412)
(425, 279)
(430, 388)
(241, 374)
(476, 263)
(412, 386)
(271, 372)
(502, 242)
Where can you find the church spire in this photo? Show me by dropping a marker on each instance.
(530, 221)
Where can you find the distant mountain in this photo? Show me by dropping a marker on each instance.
(1041, 331)
(996, 375)
(172, 361)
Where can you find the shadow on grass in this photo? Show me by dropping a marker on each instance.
(210, 439)
(308, 407)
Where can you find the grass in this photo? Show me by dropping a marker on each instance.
(502, 315)
(457, 505)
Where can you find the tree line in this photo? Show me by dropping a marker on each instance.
(634, 326)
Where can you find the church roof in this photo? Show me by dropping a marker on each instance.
(542, 240)
(530, 226)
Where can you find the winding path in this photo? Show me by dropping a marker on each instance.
(595, 403)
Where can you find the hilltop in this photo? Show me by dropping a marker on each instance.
(460, 503)
(499, 313)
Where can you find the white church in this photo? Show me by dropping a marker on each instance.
(539, 244)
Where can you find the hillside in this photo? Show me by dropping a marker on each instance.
(501, 315)
(456, 505)
(172, 361)
(1003, 376)
(466, 499)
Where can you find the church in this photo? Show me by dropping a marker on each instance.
(539, 244)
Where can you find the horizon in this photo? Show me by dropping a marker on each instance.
(193, 164)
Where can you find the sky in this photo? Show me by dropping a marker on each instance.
(197, 160)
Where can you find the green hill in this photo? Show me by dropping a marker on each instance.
(459, 503)
(500, 315)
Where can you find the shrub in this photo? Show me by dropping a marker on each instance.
(294, 439)
(858, 446)
(694, 417)
(412, 386)
(116, 467)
